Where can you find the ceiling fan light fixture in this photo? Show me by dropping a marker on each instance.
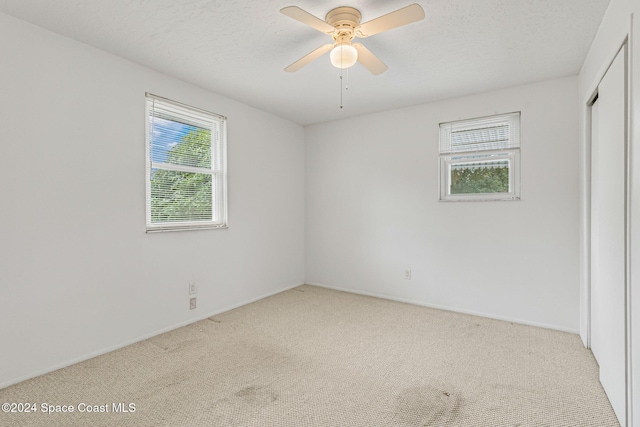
(343, 25)
(343, 56)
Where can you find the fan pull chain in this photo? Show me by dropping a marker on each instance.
(341, 87)
(346, 85)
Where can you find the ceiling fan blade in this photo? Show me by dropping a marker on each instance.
(309, 58)
(306, 18)
(369, 60)
(400, 17)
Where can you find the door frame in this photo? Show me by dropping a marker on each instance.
(586, 220)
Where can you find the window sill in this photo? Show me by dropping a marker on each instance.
(481, 199)
(170, 228)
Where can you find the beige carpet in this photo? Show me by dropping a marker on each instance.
(317, 357)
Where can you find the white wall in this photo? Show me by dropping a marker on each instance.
(621, 22)
(78, 274)
(373, 211)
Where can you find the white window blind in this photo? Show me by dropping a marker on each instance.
(480, 158)
(186, 161)
(484, 134)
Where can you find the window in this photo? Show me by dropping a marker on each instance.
(480, 159)
(186, 162)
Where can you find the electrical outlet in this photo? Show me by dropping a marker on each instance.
(407, 274)
(193, 289)
(192, 304)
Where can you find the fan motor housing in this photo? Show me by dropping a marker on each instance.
(344, 16)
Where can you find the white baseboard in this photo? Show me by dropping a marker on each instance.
(447, 308)
(138, 339)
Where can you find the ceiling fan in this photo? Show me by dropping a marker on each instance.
(343, 25)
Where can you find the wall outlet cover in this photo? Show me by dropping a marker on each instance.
(192, 304)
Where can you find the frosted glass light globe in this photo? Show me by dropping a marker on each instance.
(343, 56)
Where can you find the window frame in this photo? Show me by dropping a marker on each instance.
(217, 170)
(449, 157)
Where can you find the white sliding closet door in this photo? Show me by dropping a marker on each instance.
(608, 233)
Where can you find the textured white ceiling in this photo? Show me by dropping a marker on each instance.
(239, 48)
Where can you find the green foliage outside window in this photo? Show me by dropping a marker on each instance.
(480, 180)
(180, 196)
